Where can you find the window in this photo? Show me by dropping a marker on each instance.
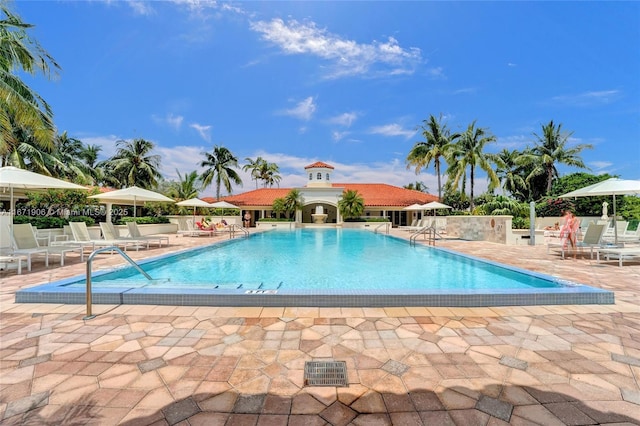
(319, 176)
(327, 176)
(310, 176)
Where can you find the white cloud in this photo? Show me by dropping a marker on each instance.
(185, 159)
(107, 143)
(338, 136)
(346, 119)
(589, 98)
(347, 57)
(393, 129)
(174, 121)
(141, 7)
(203, 130)
(436, 73)
(303, 110)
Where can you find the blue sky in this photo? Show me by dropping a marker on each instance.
(346, 83)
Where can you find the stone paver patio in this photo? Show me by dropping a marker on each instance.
(159, 365)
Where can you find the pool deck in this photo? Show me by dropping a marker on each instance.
(159, 365)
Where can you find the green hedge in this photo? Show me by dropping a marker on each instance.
(144, 220)
(50, 222)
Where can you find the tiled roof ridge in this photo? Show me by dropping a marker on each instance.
(319, 164)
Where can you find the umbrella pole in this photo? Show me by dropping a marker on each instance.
(615, 220)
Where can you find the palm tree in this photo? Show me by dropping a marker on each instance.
(510, 173)
(501, 205)
(468, 152)
(90, 154)
(255, 166)
(351, 204)
(551, 149)
(220, 166)
(186, 187)
(69, 164)
(19, 105)
(437, 142)
(133, 164)
(271, 175)
(293, 201)
(417, 186)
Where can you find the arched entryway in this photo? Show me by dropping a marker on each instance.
(309, 209)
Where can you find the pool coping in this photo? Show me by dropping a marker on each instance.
(571, 293)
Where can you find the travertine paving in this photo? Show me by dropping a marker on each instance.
(144, 365)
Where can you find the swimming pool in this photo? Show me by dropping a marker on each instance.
(320, 267)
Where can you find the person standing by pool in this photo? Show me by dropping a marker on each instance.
(569, 230)
(247, 220)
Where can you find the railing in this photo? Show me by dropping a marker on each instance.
(386, 224)
(429, 232)
(89, 263)
(233, 228)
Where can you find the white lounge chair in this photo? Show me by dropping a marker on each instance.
(134, 232)
(26, 243)
(592, 239)
(186, 227)
(414, 223)
(111, 233)
(81, 233)
(12, 259)
(620, 253)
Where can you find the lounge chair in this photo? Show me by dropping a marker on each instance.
(81, 234)
(12, 259)
(610, 233)
(423, 222)
(621, 253)
(111, 233)
(592, 239)
(134, 232)
(26, 243)
(187, 227)
(413, 225)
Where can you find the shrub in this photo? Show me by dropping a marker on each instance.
(41, 222)
(144, 220)
(86, 219)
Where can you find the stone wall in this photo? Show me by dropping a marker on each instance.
(496, 229)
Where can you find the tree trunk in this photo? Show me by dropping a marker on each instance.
(471, 204)
(439, 183)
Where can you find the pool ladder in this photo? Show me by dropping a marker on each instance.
(89, 263)
(233, 228)
(429, 232)
(387, 225)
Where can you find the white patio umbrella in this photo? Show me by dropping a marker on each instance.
(129, 196)
(613, 186)
(195, 203)
(14, 178)
(223, 205)
(434, 205)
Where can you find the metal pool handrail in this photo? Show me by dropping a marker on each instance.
(428, 231)
(386, 224)
(89, 262)
(235, 228)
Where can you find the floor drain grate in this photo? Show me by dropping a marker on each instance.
(325, 373)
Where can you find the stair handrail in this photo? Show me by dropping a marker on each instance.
(89, 273)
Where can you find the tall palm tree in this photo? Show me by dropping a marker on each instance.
(220, 166)
(271, 174)
(20, 105)
(69, 164)
(468, 151)
(134, 164)
(90, 154)
(510, 173)
(551, 149)
(436, 144)
(255, 166)
(417, 186)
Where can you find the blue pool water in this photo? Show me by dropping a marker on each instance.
(320, 262)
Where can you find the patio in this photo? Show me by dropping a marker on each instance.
(140, 365)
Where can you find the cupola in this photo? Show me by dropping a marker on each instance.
(319, 174)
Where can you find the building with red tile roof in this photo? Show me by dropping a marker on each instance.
(321, 196)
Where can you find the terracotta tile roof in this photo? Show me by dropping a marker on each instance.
(319, 164)
(374, 194)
